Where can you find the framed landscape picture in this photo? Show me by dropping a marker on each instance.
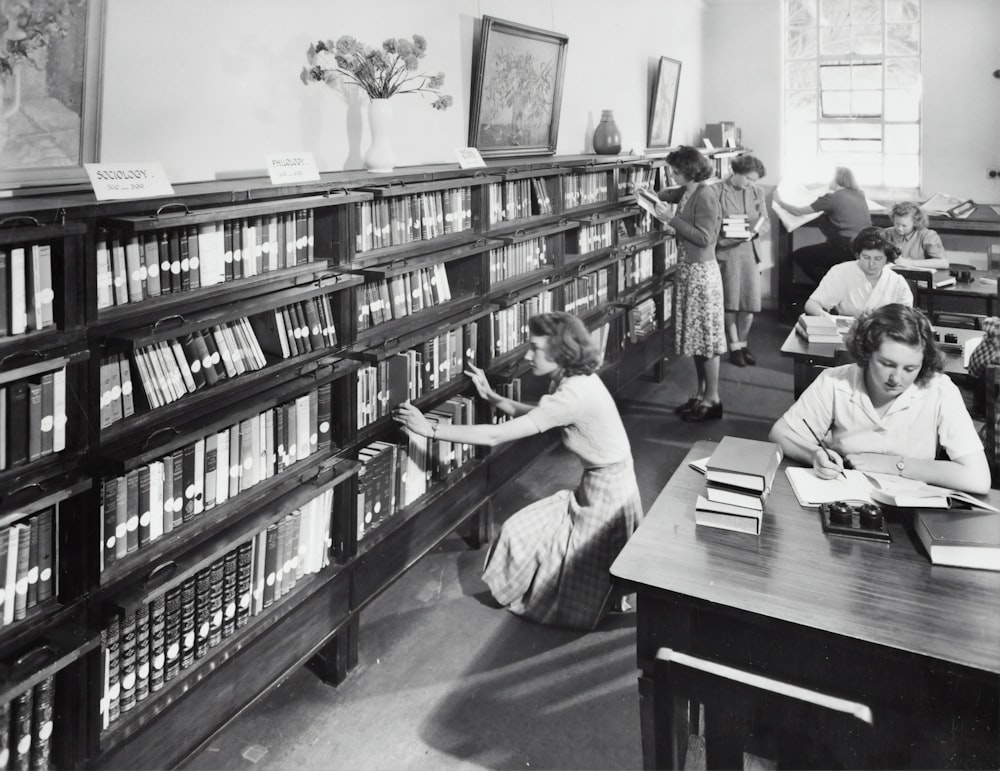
(516, 89)
(50, 74)
(664, 103)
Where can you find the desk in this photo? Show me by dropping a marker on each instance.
(808, 360)
(918, 643)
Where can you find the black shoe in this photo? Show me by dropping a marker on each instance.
(704, 412)
(688, 406)
(736, 357)
(748, 357)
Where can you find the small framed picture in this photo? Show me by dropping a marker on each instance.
(663, 104)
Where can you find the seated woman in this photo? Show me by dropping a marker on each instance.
(918, 246)
(890, 411)
(864, 283)
(987, 353)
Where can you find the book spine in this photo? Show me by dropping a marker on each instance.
(172, 634)
(41, 739)
(202, 612)
(127, 659)
(20, 730)
(157, 643)
(188, 631)
(142, 663)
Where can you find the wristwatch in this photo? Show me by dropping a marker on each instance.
(900, 465)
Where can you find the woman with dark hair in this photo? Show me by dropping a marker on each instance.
(699, 329)
(853, 287)
(740, 197)
(889, 412)
(847, 212)
(918, 245)
(551, 561)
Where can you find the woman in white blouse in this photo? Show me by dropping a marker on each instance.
(863, 284)
(890, 412)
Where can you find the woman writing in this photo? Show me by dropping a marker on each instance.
(865, 283)
(918, 245)
(550, 563)
(741, 198)
(699, 321)
(889, 412)
(846, 210)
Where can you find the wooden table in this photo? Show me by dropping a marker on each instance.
(808, 360)
(918, 643)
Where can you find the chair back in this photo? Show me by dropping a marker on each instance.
(992, 404)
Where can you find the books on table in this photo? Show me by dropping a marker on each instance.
(967, 539)
(939, 278)
(738, 480)
(829, 328)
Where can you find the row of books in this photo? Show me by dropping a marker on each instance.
(584, 189)
(395, 475)
(586, 292)
(509, 327)
(156, 498)
(599, 235)
(517, 199)
(144, 650)
(642, 319)
(301, 327)
(26, 727)
(398, 296)
(405, 219)
(635, 176)
(26, 290)
(27, 564)
(635, 269)
(518, 259)
(509, 390)
(738, 480)
(32, 418)
(135, 267)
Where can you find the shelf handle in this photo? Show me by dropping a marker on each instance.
(157, 432)
(34, 659)
(479, 174)
(181, 321)
(24, 488)
(476, 308)
(167, 206)
(19, 218)
(520, 232)
(32, 355)
(160, 574)
(510, 170)
(480, 242)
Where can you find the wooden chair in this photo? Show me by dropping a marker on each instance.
(745, 719)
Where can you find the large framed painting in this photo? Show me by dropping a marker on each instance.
(516, 89)
(663, 105)
(50, 76)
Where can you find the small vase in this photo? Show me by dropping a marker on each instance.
(607, 140)
(380, 157)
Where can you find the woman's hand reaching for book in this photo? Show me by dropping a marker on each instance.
(412, 419)
(482, 384)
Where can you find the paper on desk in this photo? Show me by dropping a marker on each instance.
(940, 203)
(796, 194)
(700, 465)
(812, 490)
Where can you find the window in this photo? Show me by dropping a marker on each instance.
(852, 91)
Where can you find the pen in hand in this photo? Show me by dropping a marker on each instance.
(824, 448)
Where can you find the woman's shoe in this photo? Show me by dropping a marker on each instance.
(748, 357)
(688, 406)
(704, 412)
(738, 358)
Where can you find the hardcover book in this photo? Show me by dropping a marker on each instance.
(968, 539)
(748, 464)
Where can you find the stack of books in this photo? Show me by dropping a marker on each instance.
(736, 226)
(817, 330)
(737, 482)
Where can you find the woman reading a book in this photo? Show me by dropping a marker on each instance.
(744, 212)
(918, 245)
(847, 212)
(865, 283)
(699, 321)
(890, 412)
(550, 563)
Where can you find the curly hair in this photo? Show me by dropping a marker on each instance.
(569, 343)
(898, 322)
(691, 163)
(744, 164)
(910, 209)
(872, 238)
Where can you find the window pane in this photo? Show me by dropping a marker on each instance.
(854, 129)
(834, 13)
(866, 76)
(835, 76)
(866, 12)
(902, 10)
(902, 73)
(902, 170)
(864, 146)
(836, 104)
(867, 104)
(902, 138)
(866, 40)
(801, 13)
(902, 39)
(801, 43)
(800, 75)
(902, 105)
(800, 106)
(835, 41)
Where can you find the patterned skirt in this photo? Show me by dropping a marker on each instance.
(552, 559)
(699, 321)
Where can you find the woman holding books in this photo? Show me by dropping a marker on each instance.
(550, 563)
(865, 283)
(846, 210)
(918, 245)
(699, 322)
(744, 212)
(889, 412)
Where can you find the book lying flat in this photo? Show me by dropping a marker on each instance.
(939, 277)
(908, 493)
(734, 496)
(748, 464)
(966, 539)
(812, 490)
(726, 517)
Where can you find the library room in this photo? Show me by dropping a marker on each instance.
(495, 384)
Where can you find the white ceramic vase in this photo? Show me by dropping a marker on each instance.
(380, 157)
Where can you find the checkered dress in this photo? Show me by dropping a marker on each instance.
(551, 562)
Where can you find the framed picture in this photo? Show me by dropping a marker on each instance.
(664, 103)
(516, 89)
(50, 76)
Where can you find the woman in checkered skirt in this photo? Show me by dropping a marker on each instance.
(550, 563)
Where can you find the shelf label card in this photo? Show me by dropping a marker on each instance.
(285, 168)
(116, 181)
(469, 158)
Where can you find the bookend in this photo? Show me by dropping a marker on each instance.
(864, 521)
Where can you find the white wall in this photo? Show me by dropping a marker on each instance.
(208, 87)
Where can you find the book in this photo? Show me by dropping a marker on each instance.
(727, 517)
(748, 464)
(812, 490)
(938, 277)
(968, 539)
(908, 493)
